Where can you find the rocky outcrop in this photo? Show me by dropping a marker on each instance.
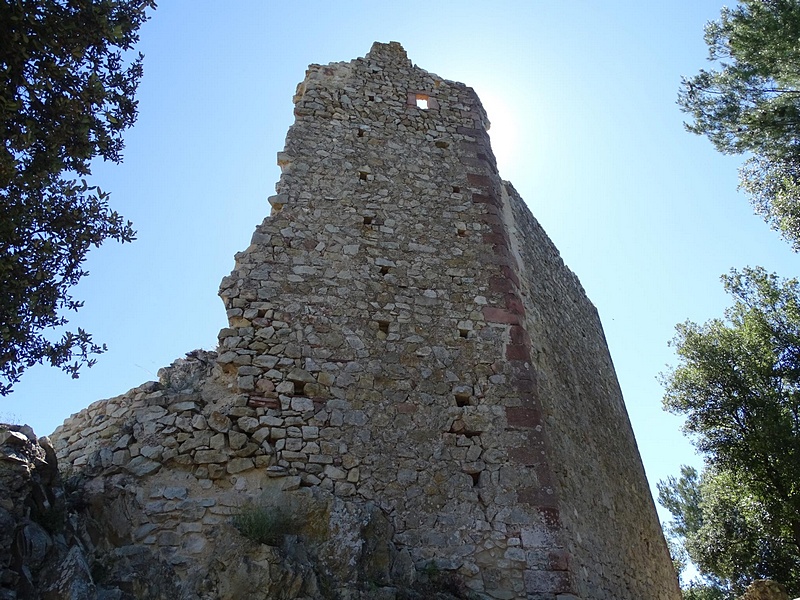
(41, 554)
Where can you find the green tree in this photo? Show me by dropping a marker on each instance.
(728, 533)
(695, 591)
(738, 386)
(67, 87)
(751, 103)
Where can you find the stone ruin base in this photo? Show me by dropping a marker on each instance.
(128, 518)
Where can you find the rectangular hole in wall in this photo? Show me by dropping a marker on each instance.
(462, 399)
(456, 189)
(463, 332)
(422, 101)
(362, 175)
(476, 477)
(383, 326)
(384, 270)
(367, 220)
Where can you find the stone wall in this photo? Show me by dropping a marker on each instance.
(614, 538)
(406, 354)
(164, 468)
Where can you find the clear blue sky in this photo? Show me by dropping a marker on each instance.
(581, 95)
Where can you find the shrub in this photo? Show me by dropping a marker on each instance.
(264, 524)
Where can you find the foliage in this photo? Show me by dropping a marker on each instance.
(727, 532)
(738, 385)
(67, 86)
(681, 497)
(695, 591)
(264, 524)
(751, 104)
(774, 189)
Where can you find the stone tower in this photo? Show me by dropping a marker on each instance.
(409, 368)
(414, 332)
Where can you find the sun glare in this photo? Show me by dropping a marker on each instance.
(502, 117)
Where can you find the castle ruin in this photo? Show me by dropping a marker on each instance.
(409, 368)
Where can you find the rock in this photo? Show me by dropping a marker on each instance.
(247, 424)
(72, 579)
(173, 493)
(237, 465)
(13, 437)
(300, 376)
(210, 456)
(142, 466)
(765, 589)
(182, 406)
(218, 422)
(237, 439)
(33, 544)
(133, 572)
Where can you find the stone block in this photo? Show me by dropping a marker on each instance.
(217, 441)
(209, 456)
(247, 424)
(302, 404)
(320, 459)
(142, 466)
(198, 440)
(237, 465)
(294, 456)
(259, 435)
(300, 376)
(291, 483)
(182, 406)
(237, 439)
(175, 493)
(334, 472)
(219, 422)
(285, 387)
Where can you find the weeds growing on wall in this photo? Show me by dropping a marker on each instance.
(264, 524)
